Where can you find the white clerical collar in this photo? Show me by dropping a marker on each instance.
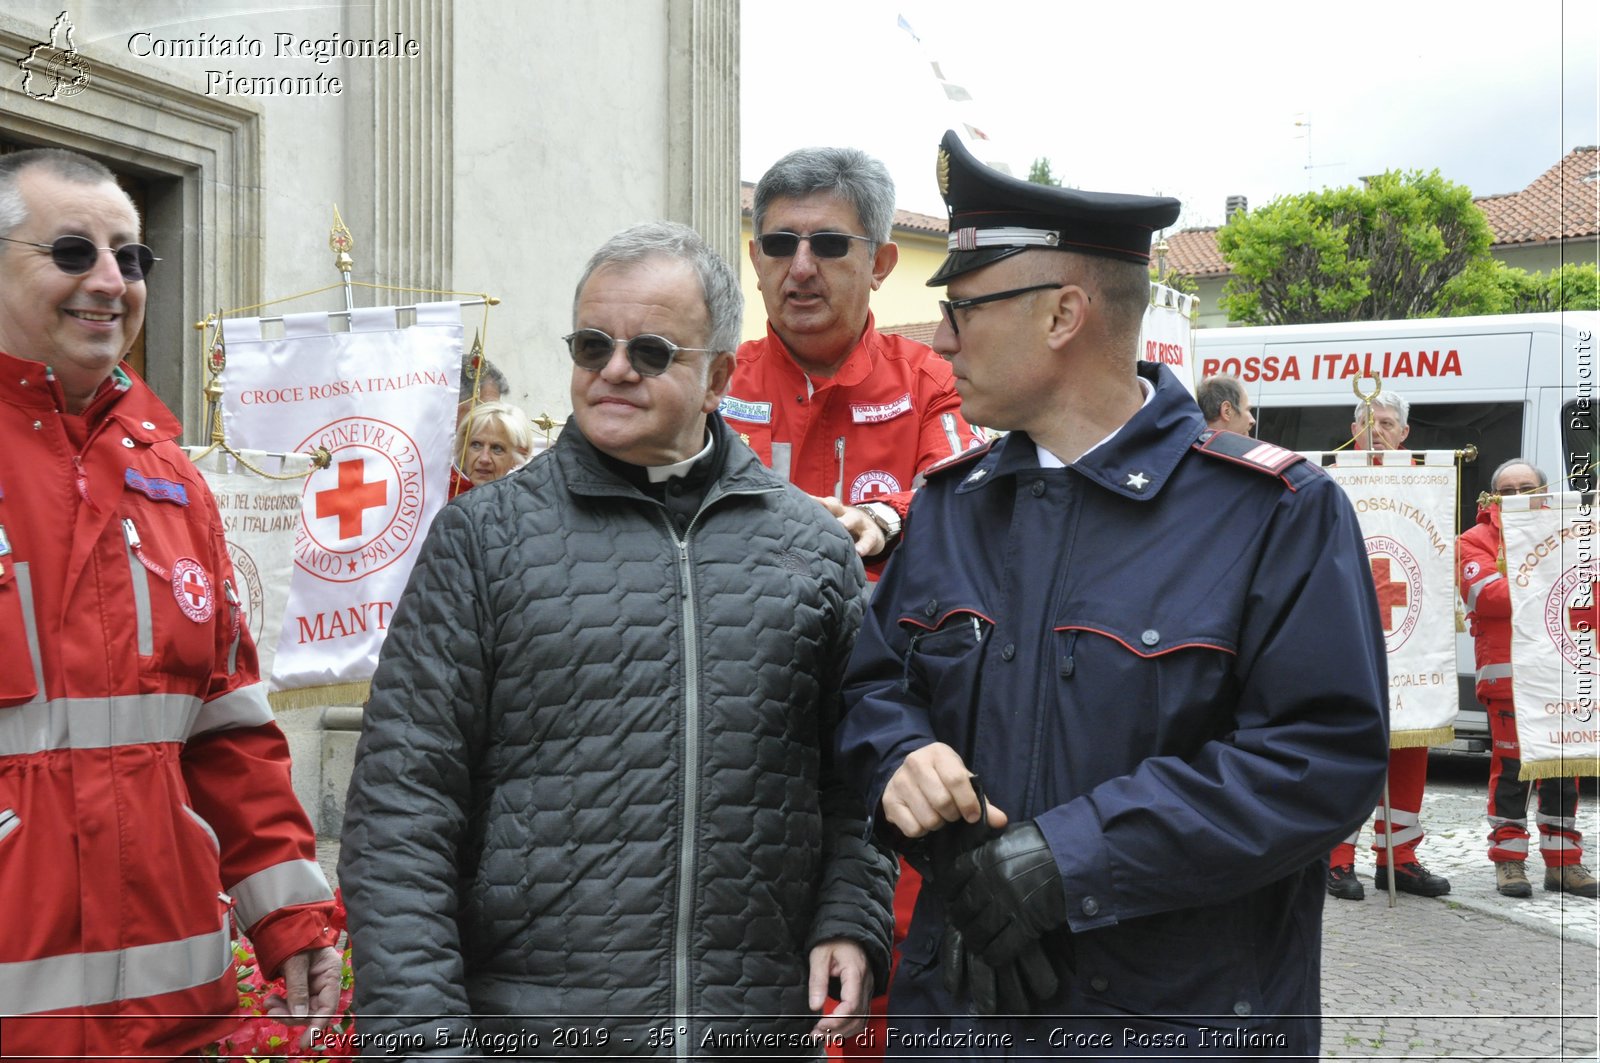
(1048, 460)
(663, 473)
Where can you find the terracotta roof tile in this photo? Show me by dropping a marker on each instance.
(921, 331)
(1193, 253)
(1563, 203)
(1560, 204)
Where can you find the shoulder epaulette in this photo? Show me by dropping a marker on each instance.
(1250, 453)
(954, 461)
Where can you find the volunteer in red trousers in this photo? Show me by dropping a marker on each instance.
(844, 412)
(1384, 426)
(1488, 601)
(144, 787)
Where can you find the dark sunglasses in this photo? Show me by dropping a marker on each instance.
(949, 306)
(649, 355)
(823, 245)
(76, 255)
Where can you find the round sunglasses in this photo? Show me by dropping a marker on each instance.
(823, 245)
(76, 255)
(649, 355)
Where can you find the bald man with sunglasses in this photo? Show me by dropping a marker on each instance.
(144, 787)
(848, 414)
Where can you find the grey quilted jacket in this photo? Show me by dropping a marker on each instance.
(594, 788)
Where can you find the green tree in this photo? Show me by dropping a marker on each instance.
(1039, 173)
(1494, 288)
(1386, 250)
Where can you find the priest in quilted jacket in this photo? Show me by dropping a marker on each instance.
(594, 805)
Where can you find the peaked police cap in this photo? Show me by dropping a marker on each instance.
(993, 216)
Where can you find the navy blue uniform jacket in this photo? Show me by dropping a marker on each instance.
(1170, 660)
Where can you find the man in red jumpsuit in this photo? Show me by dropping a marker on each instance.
(844, 412)
(1488, 601)
(144, 786)
(1384, 426)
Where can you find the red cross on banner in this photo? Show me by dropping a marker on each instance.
(1586, 617)
(1392, 593)
(352, 498)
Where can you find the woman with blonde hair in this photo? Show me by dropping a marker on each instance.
(493, 439)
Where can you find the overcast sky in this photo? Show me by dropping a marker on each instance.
(1194, 100)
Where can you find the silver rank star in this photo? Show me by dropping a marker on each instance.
(977, 474)
(1137, 480)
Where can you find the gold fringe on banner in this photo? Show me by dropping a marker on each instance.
(334, 694)
(1435, 736)
(1561, 768)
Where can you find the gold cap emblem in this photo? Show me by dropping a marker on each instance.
(942, 171)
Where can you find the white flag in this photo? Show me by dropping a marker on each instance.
(381, 400)
(1552, 566)
(1407, 515)
(1165, 336)
(260, 516)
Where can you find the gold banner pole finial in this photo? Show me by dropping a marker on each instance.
(546, 424)
(340, 242)
(1367, 397)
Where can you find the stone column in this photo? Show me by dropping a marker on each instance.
(703, 105)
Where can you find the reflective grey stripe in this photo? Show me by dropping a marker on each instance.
(30, 627)
(85, 979)
(141, 602)
(1472, 591)
(96, 723)
(951, 436)
(291, 882)
(8, 821)
(245, 707)
(203, 825)
(1494, 671)
(780, 460)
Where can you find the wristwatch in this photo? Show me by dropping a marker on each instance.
(885, 517)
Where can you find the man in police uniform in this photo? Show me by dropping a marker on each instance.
(1157, 647)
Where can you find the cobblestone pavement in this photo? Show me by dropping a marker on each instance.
(1469, 976)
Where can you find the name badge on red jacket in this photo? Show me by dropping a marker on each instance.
(873, 412)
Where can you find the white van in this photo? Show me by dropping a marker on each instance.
(1511, 385)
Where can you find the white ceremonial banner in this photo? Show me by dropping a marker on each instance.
(381, 399)
(1166, 336)
(1552, 558)
(260, 516)
(1407, 515)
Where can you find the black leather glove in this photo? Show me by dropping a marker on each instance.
(1004, 894)
(1016, 988)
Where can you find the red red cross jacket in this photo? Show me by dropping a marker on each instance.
(1488, 602)
(861, 435)
(142, 776)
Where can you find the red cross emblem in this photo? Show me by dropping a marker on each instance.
(191, 587)
(352, 498)
(1392, 593)
(1583, 618)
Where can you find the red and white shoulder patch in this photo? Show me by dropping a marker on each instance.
(1251, 453)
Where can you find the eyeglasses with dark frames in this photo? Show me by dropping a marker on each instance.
(76, 255)
(824, 245)
(949, 306)
(649, 355)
